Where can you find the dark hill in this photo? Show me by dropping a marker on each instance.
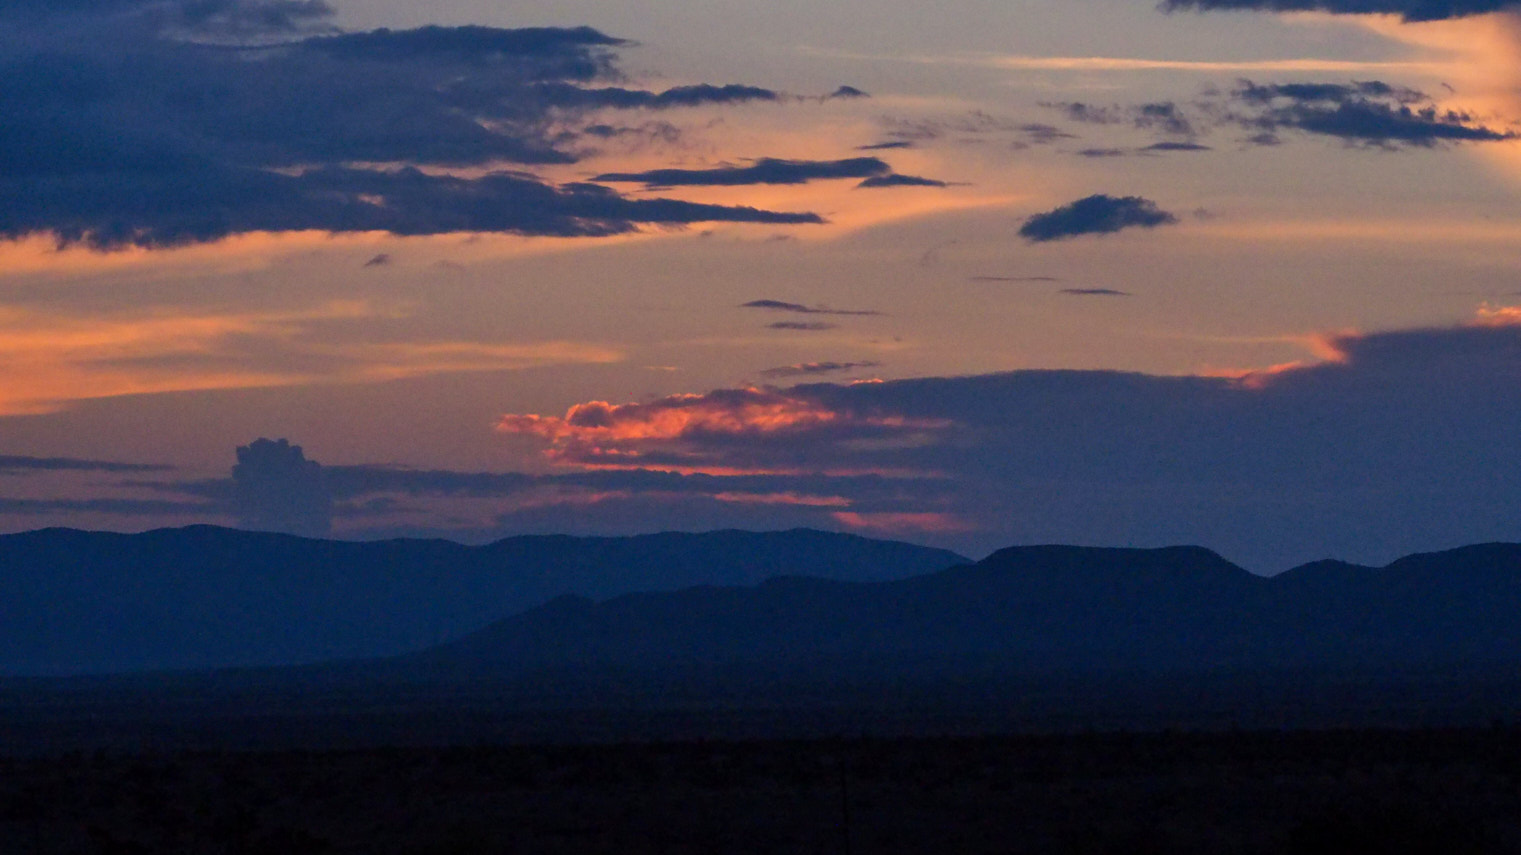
(1031, 611)
(205, 597)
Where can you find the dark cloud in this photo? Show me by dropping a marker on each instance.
(800, 326)
(1092, 114)
(179, 209)
(109, 507)
(766, 170)
(1014, 278)
(568, 96)
(532, 53)
(1175, 146)
(275, 488)
(1042, 134)
(379, 260)
(121, 129)
(801, 309)
(1331, 92)
(10, 464)
(848, 92)
(1274, 467)
(1410, 10)
(1166, 146)
(974, 126)
(1328, 458)
(1095, 292)
(813, 369)
(1097, 214)
(240, 19)
(900, 181)
(1164, 116)
(884, 146)
(1372, 113)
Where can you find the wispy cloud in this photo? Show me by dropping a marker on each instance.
(1026, 62)
(803, 309)
(814, 369)
(52, 360)
(14, 464)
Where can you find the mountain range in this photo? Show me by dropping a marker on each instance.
(1034, 611)
(902, 639)
(75, 602)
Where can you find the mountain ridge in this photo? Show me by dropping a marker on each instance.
(204, 596)
(1167, 609)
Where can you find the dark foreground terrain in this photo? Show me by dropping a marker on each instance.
(1449, 791)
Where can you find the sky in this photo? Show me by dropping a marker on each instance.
(1238, 273)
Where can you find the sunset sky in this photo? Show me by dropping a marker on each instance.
(1241, 273)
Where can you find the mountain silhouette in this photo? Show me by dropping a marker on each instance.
(75, 602)
(1029, 611)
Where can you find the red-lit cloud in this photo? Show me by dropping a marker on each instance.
(1376, 444)
(717, 432)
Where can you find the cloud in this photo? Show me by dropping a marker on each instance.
(801, 309)
(403, 202)
(1095, 292)
(1371, 112)
(103, 506)
(51, 360)
(1329, 92)
(1164, 116)
(1330, 457)
(565, 95)
(725, 427)
(379, 260)
(1175, 146)
(884, 146)
(1165, 146)
(800, 326)
(900, 181)
(216, 18)
(13, 464)
(1160, 116)
(1098, 214)
(766, 170)
(369, 491)
(848, 92)
(1014, 278)
(1410, 10)
(1043, 134)
(811, 369)
(127, 124)
(275, 488)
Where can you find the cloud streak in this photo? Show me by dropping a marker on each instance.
(813, 369)
(1410, 10)
(11, 464)
(803, 309)
(766, 170)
